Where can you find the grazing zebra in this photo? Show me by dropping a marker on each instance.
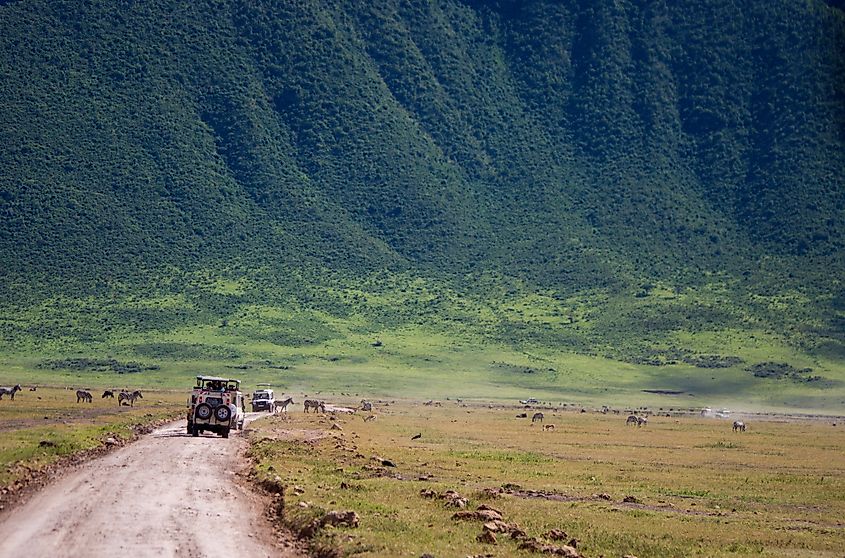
(548, 427)
(107, 393)
(33, 388)
(739, 425)
(429, 403)
(130, 397)
(642, 421)
(366, 405)
(536, 417)
(84, 396)
(282, 406)
(11, 391)
(318, 406)
(632, 419)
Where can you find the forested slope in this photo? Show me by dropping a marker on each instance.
(567, 148)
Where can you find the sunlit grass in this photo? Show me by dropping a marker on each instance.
(701, 490)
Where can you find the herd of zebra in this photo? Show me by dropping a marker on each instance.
(632, 420)
(320, 406)
(124, 397)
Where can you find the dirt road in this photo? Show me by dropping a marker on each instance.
(167, 494)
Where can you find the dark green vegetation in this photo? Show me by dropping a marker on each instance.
(231, 180)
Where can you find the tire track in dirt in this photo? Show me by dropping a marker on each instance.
(168, 494)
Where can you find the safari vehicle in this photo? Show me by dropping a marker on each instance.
(263, 400)
(216, 405)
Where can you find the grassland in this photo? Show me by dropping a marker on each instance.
(694, 487)
(430, 361)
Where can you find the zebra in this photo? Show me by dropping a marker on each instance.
(84, 396)
(548, 427)
(11, 391)
(642, 421)
(130, 397)
(366, 405)
(316, 405)
(108, 393)
(536, 417)
(632, 419)
(282, 406)
(739, 425)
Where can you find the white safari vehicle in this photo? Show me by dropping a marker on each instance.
(263, 400)
(215, 405)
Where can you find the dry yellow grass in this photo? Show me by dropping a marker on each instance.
(700, 489)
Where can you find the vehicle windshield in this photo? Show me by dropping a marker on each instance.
(261, 396)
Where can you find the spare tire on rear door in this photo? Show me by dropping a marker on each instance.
(203, 411)
(223, 413)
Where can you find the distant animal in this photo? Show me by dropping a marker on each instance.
(642, 421)
(632, 419)
(536, 417)
(282, 406)
(366, 405)
(107, 393)
(84, 396)
(314, 404)
(11, 391)
(125, 396)
(417, 437)
(344, 410)
(429, 403)
(548, 427)
(369, 418)
(739, 425)
(522, 415)
(33, 388)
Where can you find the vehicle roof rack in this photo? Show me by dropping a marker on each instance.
(216, 379)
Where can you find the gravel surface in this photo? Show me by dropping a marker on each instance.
(168, 494)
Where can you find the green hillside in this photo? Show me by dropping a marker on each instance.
(225, 181)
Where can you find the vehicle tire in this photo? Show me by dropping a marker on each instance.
(241, 425)
(225, 433)
(223, 413)
(203, 411)
(195, 431)
(190, 428)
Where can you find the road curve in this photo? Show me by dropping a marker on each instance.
(168, 494)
